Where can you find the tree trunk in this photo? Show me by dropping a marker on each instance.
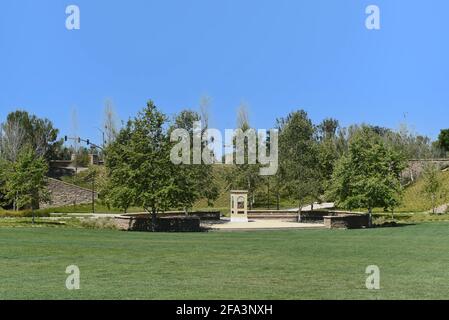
(268, 196)
(370, 217)
(299, 212)
(278, 201)
(153, 220)
(433, 204)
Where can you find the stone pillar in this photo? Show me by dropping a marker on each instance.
(239, 206)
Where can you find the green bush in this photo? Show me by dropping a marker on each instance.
(100, 223)
(22, 214)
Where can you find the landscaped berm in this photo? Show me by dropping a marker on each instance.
(289, 264)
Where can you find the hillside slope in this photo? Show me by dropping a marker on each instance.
(416, 201)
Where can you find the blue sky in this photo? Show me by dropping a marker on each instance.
(275, 56)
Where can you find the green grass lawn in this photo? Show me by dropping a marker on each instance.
(300, 264)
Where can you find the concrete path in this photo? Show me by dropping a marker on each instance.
(86, 215)
(441, 209)
(316, 206)
(253, 225)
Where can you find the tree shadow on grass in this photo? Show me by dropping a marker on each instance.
(393, 224)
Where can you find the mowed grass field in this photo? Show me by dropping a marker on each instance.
(295, 264)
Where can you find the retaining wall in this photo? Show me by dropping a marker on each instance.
(64, 194)
(163, 224)
(348, 221)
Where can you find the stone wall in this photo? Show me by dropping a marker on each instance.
(163, 224)
(347, 221)
(64, 194)
(202, 215)
(307, 216)
(416, 167)
(273, 214)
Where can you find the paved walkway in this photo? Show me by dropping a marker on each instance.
(316, 206)
(252, 225)
(441, 209)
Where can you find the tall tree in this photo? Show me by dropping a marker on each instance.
(328, 152)
(118, 191)
(368, 176)
(22, 129)
(197, 179)
(4, 168)
(443, 140)
(299, 157)
(12, 136)
(144, 162)
(245, 173)
(110, 123)
(26, 182)
(432, 184)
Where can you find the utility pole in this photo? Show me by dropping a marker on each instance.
(93, 146)
(93, 192)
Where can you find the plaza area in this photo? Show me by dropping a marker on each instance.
(259, 224)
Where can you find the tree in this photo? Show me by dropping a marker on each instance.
(432, 184)
(118, 190)
(198, 179)
(328, 149)
(81, 158)
(12, 136)
(246, 171)
(110, 123)
(4, 168)
(367, 176)
(22, 129)
(143, 165)
(443, 140)
(26, 182)
(299, 158)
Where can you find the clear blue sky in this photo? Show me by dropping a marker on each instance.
(276, 56)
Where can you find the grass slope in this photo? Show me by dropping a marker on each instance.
(416, 201)
(301, 264)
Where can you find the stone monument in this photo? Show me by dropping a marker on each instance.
(239, 206)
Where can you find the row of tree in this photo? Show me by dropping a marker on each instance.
(357, 167)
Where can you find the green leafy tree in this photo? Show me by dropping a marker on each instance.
(367, 176)
(26, 183)
(198, 180)
(432, 184)
(118, 191)
(327, 150)
(139, 164)
(82, 158)
(4, 168)
(443, 140)
(298, 156)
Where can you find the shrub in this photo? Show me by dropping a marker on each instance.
(22, 214)
(100, 223)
